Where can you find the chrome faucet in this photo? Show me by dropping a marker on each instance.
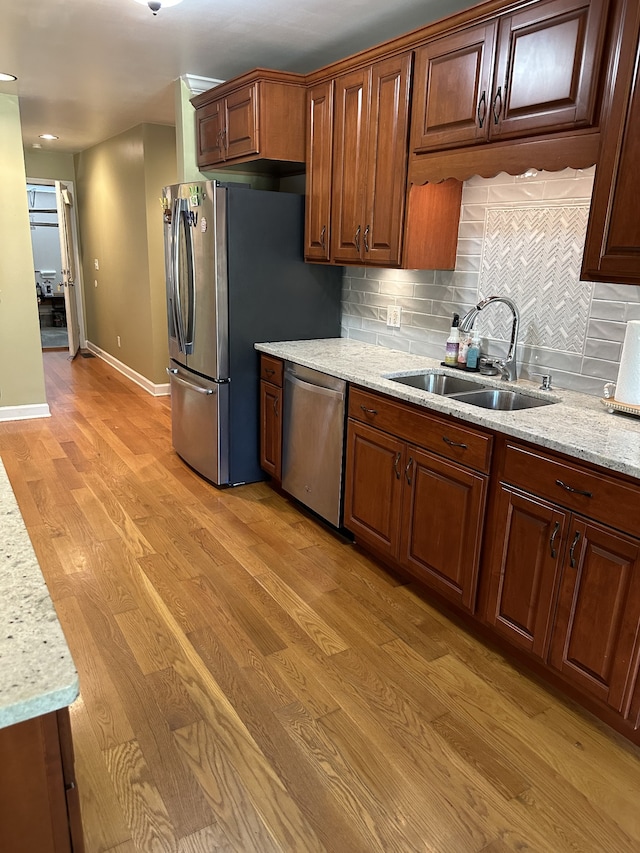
(507, 366)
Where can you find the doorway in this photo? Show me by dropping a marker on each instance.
(55, 261)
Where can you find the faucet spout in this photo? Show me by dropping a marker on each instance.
(508, 366)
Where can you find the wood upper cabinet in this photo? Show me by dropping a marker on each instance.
(319, 171)
(370, 159)
(421, 510)
(259, 115)
(612, 246)
(452, 97)
(525, 554)
(596, 642)
(530, 72)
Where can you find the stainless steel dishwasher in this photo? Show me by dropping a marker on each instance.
(313, 440)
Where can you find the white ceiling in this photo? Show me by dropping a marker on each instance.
(89, 69)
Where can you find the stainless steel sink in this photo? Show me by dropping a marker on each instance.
(501, 399)
(438, 383)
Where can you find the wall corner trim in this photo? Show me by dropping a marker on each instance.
(152, 388)
(24, 413)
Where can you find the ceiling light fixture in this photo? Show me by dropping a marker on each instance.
(7, 78)
(47, 136)
(156, 5)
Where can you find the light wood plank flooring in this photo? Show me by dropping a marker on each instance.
(252, 682)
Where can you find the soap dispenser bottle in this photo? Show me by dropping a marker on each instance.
(453, 342)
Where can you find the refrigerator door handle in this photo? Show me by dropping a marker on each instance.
(175, 270)
(183, 239)
(173, 373)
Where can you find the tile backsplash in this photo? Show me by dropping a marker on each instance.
(520, 237)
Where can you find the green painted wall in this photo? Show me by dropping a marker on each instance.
(48, 165)
(21, 370)
(118, 184)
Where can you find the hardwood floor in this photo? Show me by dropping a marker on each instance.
(252, 682)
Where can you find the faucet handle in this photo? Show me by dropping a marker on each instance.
(546, 381)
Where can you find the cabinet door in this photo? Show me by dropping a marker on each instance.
(241, 123)
(319, 162)
(547, 65)
(596, 636)
(451, 94)
(373, 487)
(524, 559)
(271, 429)
(612, 247)
(387, 160)
(210, 126)
(350, 165)
(442, 520)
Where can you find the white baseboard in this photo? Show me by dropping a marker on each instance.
(144, 383)
(24, 413)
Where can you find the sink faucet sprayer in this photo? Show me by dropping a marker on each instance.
(508, 368)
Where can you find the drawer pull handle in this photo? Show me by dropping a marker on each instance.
(576, 539)
(575, 491)
(482, 109)
(368, 411)
(269, 371)
(453, 443)
(552, 541)
(396, 463)
(408, 469)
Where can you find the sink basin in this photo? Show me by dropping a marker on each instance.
(501, 399)
(437, 383)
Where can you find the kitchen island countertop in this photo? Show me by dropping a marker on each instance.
(37, 673)
(577, 424)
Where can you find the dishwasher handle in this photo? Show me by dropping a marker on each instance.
(313, 388)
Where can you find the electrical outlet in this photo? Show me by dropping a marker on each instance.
(118, 338)
(393, 316)
(96, 264)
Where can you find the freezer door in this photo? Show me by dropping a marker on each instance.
(200, 423)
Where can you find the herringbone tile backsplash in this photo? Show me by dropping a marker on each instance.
(520, 237)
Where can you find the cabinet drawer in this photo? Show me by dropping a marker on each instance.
(438, 434)
(271, 370)
(597, 496)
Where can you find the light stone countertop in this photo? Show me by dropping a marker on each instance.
(578, 424)
(37, 673)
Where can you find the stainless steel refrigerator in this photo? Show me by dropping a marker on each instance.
(235, 276)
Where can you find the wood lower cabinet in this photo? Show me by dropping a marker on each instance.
(527, 538)
(39, 804)
(370, 163)
(271, 372)
(612, 246)
(260, 115)
(560, 585)
(596, 642)
(443, 516)
(416, 508)
(529, 72)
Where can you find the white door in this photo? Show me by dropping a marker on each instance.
(70, 281)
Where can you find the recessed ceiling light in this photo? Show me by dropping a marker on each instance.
(47, 136)
(7, 78)
(156, 5)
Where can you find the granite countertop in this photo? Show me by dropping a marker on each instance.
(37, 673)
(578, 424)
